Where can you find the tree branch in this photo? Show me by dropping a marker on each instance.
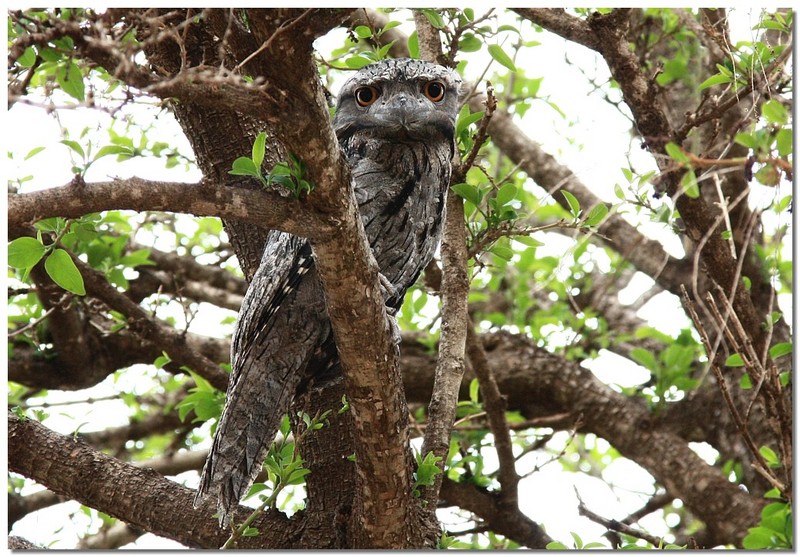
(141, 497)
(454, 289)
(187, 267)
(254, 206)
(149, 327)
(646, 254)
(112, 537)
(616, 526)
(495, 405)
(642, 96)
(558, 21)
(499, 518)
(538, 383)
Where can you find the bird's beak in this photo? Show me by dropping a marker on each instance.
(400, 109)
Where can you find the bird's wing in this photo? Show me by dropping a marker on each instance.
(280, 324)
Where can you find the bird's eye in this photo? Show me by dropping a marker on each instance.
(365, 96)
(434, 90)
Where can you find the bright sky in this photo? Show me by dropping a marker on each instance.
(548, 496)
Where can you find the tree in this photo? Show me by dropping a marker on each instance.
(110, 278)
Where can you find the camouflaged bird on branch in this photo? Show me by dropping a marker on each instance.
(395, 124)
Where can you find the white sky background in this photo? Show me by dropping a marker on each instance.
(594, 141)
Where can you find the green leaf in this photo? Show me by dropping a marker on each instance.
(427, 469)
(745, 383)
(734, 360)
(62, 270)
(117, 278)
(466, 119)
(383, 51)
(775, 112)
(413, 45)
(529, 241)
(773, 493)
(357, 62)
(297, 476)
(596, 215)
(244, 166)
(502, 252)
(28, 58)
(628, 173)
(724, 70)
(50, 55)
(556, 545)
(362, 32)
(780, 349)
(469, 192)
(434, 18)
(75, 146)
(676, 153)
(114, 150)
(35, 151)
(206, 405)
(505, 194)
(783, 141)
(758, 538)
(773, 508)
(689, 185)
(259, 147)
(389, 25)
(162, 360)
(469, 43)
(747, 139)
(770, 456)
(25, 252)
(70, 79)
(645, 358)
(137, 258)
(578, 540)
(474, 387)
(497, 52)
(574, 204)
(716, 79)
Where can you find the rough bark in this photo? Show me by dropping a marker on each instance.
(141, 497)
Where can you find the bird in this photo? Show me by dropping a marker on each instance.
(395, 126)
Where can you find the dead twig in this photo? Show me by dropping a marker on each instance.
(760, 464)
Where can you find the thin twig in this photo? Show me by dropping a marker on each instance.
(482, 134)
(32, 324)
(286, 26)
(760, 464)
(695, 120)
(495, 405)
(616, 525)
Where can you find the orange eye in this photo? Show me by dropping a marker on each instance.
(365, 96)
(434, 90)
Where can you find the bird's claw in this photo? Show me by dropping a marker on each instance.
(386, 285)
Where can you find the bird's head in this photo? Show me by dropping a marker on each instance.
(399, 99)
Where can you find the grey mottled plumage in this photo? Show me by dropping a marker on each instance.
(395, 124)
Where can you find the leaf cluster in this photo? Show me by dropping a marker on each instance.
(289, 174)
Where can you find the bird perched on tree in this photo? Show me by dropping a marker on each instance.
(395, 124)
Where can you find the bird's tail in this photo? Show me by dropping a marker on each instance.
(282, 325)
(246, 429)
